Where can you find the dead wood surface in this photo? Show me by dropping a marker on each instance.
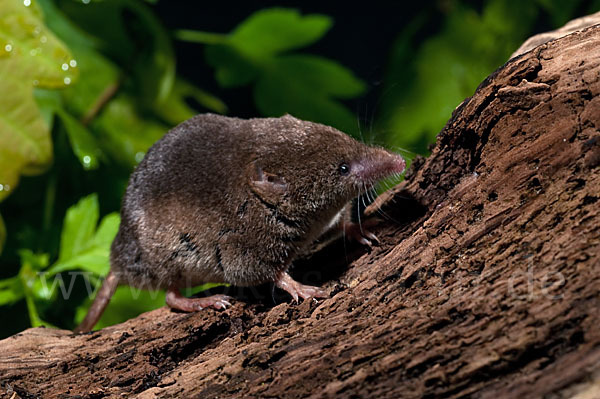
(486, 283)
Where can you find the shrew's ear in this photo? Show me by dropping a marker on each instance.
(270, 187)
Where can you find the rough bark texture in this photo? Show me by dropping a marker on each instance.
(486, 283)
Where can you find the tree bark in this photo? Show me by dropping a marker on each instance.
(486, 283)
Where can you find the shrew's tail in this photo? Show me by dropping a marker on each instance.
(102, 298)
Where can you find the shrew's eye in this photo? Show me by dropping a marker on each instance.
(344, 169)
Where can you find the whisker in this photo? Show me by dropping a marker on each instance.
(380, 210)
(358, 211)
(362, 198)
(369, 195)
(406, 153)
(344, 238)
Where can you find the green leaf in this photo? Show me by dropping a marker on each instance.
(267, 32)
(31, 265)
(156, 67)
(82, 246)
(64, 29)
(134, 38)
(30, 56)
(43, 290)
(33, 262)
(82, 141)
(95, 255)
(275, 30)
(11, 290)
(319, 75)
(303, 85)
(78, 227)
(90, 20)
(94, 260)
(272, 100)
(33, 52)
(176, 110)
(100, 78)
(34, 316)
(109, 226)
(276, 94)
(233, 69)
(197, 36)
(48, 101)
(124, 133)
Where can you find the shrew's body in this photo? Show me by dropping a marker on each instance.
(222, 199)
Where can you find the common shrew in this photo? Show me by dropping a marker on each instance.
(230, 200)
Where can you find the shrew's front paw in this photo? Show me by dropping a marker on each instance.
(361, 232)
(297, 290)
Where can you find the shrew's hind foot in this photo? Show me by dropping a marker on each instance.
(296, 290)
(177, 301)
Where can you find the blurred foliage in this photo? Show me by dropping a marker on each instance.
(427, 79)
(93, 84)
(258, 52)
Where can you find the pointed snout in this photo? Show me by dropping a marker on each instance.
(396, 164)
(378, 164)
